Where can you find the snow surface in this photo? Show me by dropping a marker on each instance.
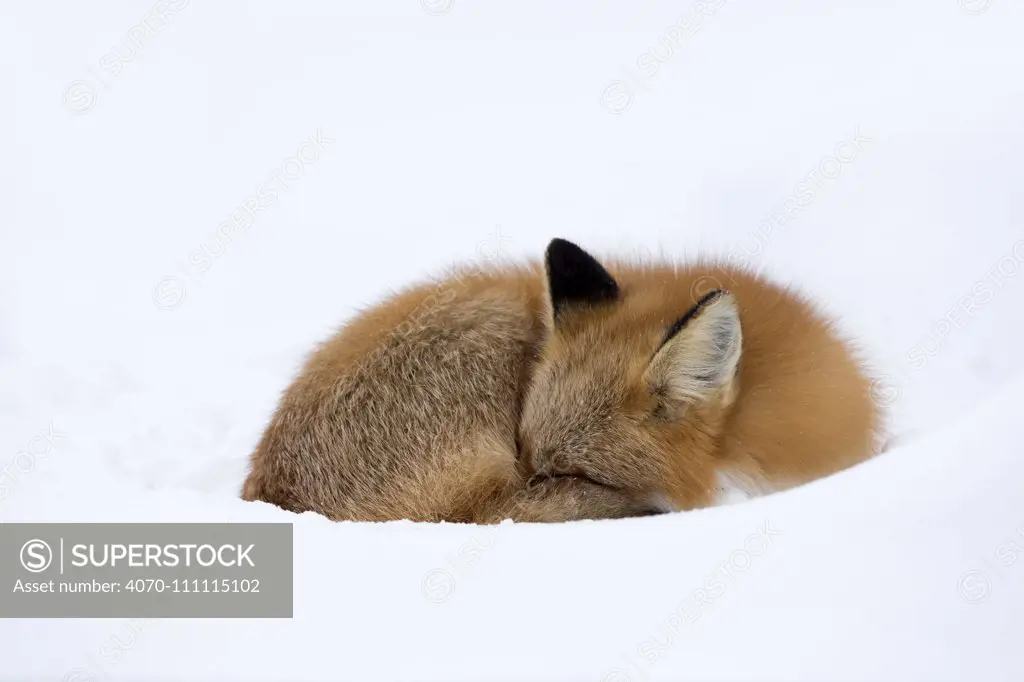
(461, 130)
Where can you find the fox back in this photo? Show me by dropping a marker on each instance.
(564, 390)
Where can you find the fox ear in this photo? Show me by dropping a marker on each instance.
(701, 352)
(575, 277)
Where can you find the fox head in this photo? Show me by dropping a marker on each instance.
(624, 395)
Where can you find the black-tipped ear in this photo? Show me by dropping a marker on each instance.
(575, 277)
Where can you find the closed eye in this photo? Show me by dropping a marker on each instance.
(580, 476)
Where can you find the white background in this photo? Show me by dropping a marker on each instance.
(466, 130)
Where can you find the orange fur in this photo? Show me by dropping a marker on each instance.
(798, 409)
(467, 400)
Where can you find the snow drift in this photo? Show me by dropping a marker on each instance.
(196, 193)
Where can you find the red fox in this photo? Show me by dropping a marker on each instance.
(563, 390)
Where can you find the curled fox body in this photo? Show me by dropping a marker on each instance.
(566, 390)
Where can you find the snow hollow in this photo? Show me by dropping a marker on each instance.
(197, 193)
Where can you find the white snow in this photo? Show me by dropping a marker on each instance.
(450, 130)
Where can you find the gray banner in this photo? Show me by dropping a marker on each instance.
(145, 570)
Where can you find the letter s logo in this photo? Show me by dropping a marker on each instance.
(36, 556)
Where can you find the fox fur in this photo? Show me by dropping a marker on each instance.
(562, 390)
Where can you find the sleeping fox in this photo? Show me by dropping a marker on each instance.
(563, 390)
